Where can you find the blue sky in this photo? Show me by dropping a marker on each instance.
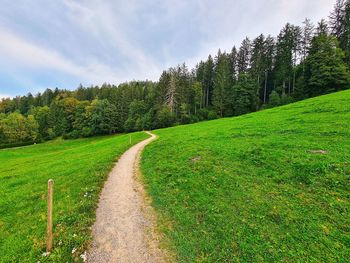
(48, 44)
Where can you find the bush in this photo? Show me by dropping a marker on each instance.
(16, 128)
(286, 99)
(194, 119)
(129, 125)
(274, 99)
(86, 132)
(212, 115)
(203, 114)
(165, 118)
(72, 135)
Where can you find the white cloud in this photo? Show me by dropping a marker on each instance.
(111, 23)
(19, 50)
(33, 56)
(91, 42)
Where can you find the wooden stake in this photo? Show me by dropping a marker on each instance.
(49, 215)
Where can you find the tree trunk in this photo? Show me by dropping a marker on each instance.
(293, 88)
(207, 97)
(288, 85)
(265, 87)
(203, 98)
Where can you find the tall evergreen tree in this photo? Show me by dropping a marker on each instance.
(171, 95)
(286, 45)
(243, 57)
(306, 38)
(233, 63)
(244, 94)
(269, 55)
(322, 28)
(222, 84)
(208, 83)
(257, 61)
(340, 25)
(200, 70)
(325, 69)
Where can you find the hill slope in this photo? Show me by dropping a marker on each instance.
(79, 168)
(268, 186)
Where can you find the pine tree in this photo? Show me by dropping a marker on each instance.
(286, 46)
(233, 64)
(322, 28)
(325, 68)
(306, 38)
(200, 67)
(340, 25)
(244, 94)
(269, 55)
(336, 18)
(208, 84)
(171, 95)
(243, 57)
(197, 95)
(257, 61)
(222, 84)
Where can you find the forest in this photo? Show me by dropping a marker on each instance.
(301, 62)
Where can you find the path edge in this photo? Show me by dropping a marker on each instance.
(154, 238)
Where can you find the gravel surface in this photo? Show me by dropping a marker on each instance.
(123, 232)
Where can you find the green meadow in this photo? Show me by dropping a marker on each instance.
(78, 168)
(271, 186)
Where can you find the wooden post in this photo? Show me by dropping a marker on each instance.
(49, 215)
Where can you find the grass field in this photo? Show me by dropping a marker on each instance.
(271, 186)
(79, 168)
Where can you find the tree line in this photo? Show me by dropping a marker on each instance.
(301, 62)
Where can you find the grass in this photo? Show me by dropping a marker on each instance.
(79, 168)
(271, 186)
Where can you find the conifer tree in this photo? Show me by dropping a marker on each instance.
(244, 94)
(325, 69)
(208, 80)
(233, 56)
(243, 57)
(340, 25)
(222, 84)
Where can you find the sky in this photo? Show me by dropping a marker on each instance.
(62, 43)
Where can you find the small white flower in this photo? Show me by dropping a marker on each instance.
(83, 256)
(74, 235)
(45, 254)
(60, 243)
(73, 250)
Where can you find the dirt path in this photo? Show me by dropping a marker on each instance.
(122, 231)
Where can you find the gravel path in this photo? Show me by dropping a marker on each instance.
(123, 232)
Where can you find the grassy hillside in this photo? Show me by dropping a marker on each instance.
(271, 186)
(79, 168)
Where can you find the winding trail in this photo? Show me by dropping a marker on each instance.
(123, 232)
